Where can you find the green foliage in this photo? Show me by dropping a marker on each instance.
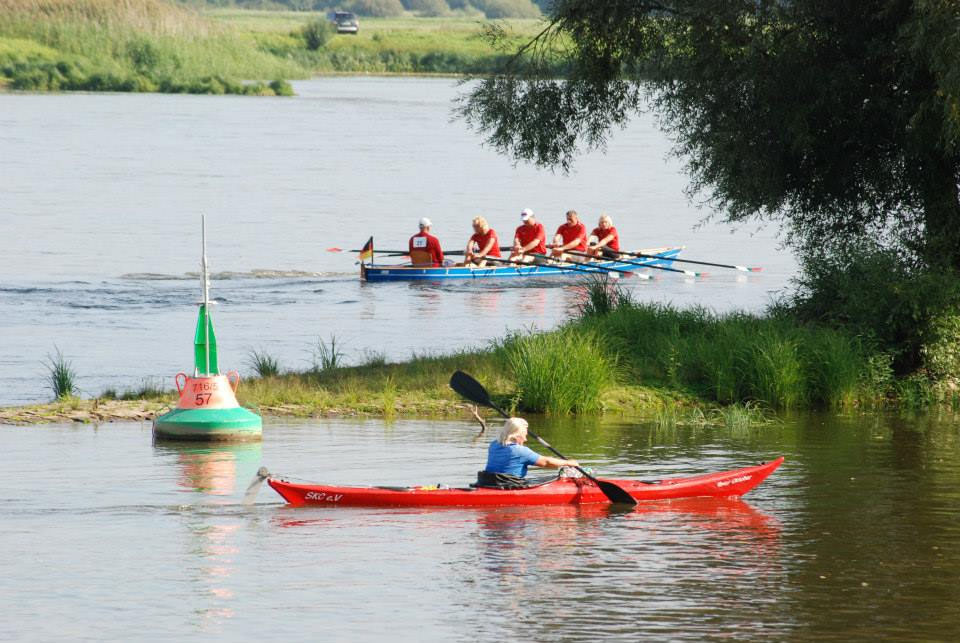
(61, 378)
(433, 8)
(841, 119)
(316, 33)
(376, 8)
(559, 373)
(601, 296)
(738, 358)
(327, 356)
(912, 313)
(498, 9)
(141, 45)
(263, 364)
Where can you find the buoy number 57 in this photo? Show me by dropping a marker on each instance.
(203, 398)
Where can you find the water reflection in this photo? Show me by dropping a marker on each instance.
(216, 470)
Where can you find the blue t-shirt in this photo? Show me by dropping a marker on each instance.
(512, 458)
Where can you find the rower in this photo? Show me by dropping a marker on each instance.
(607, 240)
(572, 235)
(484, 243)
(529, 238)
(424, 247)
(508, 459)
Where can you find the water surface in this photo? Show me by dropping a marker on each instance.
(102, 195)
(107, 536)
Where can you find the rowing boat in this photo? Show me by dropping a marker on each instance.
(556, 491)
(406, 272)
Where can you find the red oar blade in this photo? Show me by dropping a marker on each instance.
(334, 249)
(756, 269)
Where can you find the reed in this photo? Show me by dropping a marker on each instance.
(327, 356)
(131, 45)
(737, 358)
(263, 364)
(61, 378)
(559, 373)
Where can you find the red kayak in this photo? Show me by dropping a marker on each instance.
(558, 491)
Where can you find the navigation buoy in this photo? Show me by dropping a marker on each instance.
(208, 407)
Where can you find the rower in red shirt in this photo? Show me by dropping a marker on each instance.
(604, 240)
(529, 238)
(424, 247)
(484, 243)
(572, 235)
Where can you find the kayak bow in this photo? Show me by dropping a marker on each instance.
(558, 491)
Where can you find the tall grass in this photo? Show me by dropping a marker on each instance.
(263, 364)
(561, 372)
(131, 45)
(327, 356)
(61, 378)
(736, 357)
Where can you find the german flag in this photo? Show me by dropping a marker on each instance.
(367, 251)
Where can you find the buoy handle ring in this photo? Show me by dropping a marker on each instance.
(176, 380)
(234, 378)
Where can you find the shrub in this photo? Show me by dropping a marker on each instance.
(496, 9)
(376, 8)
(430, 8)
(317, 33)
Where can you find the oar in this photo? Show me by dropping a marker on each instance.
(701, 263)
(473, 390)
(571, 266)
(589, 267)
(688, 273)
(403, 252)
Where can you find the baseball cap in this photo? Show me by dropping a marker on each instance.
(525, 214)
(425, 222)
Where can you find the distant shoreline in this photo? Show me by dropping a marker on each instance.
(148, 46)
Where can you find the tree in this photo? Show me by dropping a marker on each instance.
(841, 119)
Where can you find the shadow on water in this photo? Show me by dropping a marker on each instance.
(221, 470)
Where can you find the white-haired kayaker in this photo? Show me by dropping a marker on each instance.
(508, 456)
(425, 248)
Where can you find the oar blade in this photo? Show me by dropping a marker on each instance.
(617, 494)
(469, 388)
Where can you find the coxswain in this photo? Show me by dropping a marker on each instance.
(484, 243)
(529, 238)
(605, 241)
(572, 235)
(424, 247)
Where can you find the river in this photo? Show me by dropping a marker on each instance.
(100, 226)
(108, 537)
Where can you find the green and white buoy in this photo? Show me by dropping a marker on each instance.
(208, 409)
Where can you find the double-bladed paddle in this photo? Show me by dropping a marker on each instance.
(474, 391)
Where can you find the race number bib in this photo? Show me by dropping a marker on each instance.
(420, 242)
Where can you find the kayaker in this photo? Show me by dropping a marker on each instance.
(425, 248)
(529, 238)
(572, 235)
(607, 240)
(508, 459)
(484, 243)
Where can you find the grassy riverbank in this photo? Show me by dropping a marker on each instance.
(159, 46)
(617, 356)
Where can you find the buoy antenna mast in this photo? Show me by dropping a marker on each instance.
(206, 291)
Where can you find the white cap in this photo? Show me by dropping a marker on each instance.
(525, 214)
(425, 222)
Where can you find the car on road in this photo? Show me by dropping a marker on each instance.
(345, 22)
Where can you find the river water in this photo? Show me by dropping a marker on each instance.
(100, 224)
(108, 537)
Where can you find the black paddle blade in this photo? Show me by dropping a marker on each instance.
(469, 388)
(617, 495)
